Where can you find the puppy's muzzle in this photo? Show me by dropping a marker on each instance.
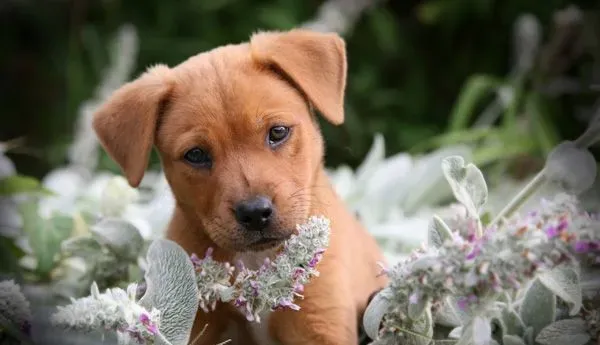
(254, 214)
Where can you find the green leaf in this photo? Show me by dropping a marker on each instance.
(470, 96)
(10, 254)
(18, 184)
(539, 307)
(466, 136)
(385, 30)
(486, 218)
(510, 339)
(81, 246)
(171, 288)
(564, 282)
(569, 331)
(44, 236)
(375, 312)
(467, 183)
(438, 232)
(543, 130)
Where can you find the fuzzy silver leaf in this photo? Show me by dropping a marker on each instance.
(171, 288)
(569, 331)
(572, 168)
(539, 307)
(467, 183)
(438, 232)
(509, 339)
(375, 312)
(564, 282)
(120, 236)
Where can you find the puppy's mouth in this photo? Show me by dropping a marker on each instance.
(263, 242)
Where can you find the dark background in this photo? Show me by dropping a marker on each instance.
(408, 63)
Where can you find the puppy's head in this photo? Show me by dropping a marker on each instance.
(235, 131)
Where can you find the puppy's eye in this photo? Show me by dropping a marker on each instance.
(198, 158)
(278, 135)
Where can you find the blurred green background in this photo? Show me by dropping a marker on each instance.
(418, 70)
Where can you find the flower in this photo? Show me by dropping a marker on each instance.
(501, 261)
(14, 306)
(115, 310)
(275, 284)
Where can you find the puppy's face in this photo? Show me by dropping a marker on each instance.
(240, 150)
(238, 141)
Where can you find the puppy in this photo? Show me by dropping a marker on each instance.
(242, 151)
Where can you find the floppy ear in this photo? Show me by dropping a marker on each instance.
(126, 123)
(314, 61)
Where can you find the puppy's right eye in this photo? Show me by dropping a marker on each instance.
(198, 158)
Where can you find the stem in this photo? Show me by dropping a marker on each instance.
(479, 229)
(521, 197)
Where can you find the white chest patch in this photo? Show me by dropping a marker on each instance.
(260, 331)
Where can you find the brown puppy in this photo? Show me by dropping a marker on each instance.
(243, 154)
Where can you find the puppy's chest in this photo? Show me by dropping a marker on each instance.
(259, 331)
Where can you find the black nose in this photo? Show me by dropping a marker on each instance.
(254, 214)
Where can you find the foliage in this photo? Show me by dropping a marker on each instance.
(176, 285)
(416, 69)
(469, 276)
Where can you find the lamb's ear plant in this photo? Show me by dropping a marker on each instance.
(15, 315)
(165, 313)
(177, 284)
(111, 250)
(515, 281)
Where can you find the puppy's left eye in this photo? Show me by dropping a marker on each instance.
(278, 135)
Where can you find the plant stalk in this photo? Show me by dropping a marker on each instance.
(521, 197)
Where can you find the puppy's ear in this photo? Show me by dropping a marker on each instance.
(126, 123)
(315, 62)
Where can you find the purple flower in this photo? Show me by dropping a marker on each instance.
(314, 261)
(552, 231)
(476, 251)
(288, 304)
(240, 302)
(298, 273)
(208, 253)
(150, 326)
(563, 225)
(414, 298)
(462, 303)
(144, 318)
(255, 287)
(582, 246)
(195, 260)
